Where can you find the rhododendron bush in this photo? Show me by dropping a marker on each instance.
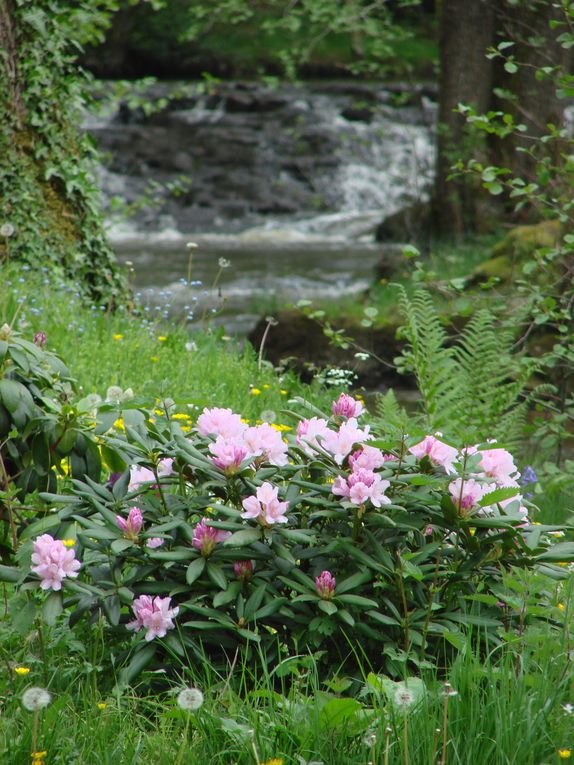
(322, 536)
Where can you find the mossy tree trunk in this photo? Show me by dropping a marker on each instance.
(48, 199)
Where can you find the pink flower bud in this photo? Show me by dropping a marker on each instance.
(325, 584)
(347, 406)
(205, 537)
(132, 527)
(40, 339)
(243, 570)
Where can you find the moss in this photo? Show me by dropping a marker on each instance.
(523, 241)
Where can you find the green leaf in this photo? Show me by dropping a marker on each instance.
(499, 495)
(119, 545)
(139, 662)
(353, 581)
(9, 574)
(194, 570)
(358, 600)
(328, 607)
(562, 552)
(52, 608)
(215, 573)
(242, 538)
(254, 602)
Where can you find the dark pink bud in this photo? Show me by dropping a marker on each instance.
(40, 339)
(243, 570)
(325, 584)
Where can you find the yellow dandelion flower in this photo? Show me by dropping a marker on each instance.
(101, 705)
(186, 428)
(22, 671)
(245, 422)
(283, 392)
(118, 337)
(38, 758)
(255, 392)
(154, 359)
(265, 386)
(564, 754)
(159, 412)
(561, 607)
(274, 761)
(181, 416)
(162, 338)
(69, 542)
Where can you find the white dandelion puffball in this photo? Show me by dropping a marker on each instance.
(35, 698)
(190, 699)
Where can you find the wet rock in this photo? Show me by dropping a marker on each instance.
(410, 225)
(300, 344)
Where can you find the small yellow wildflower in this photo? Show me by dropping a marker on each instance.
(186, 428)
(274, 761)
(245, 422)
(564, 754)
(265, 386)
(119, 424)
(159, 412)
(162, 338)
(21, 670)
(561, 607)
(209, 509)
(118, 337)
(255, 392)
(181, 416)
(283, 392)
(38, 758)
(101, 705)
(69, 542)
(472, 532)
(279, 427)
(154, 359)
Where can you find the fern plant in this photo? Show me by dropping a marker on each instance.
(474, 387)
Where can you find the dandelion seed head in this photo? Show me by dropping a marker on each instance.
(190, 699)
(35, 698)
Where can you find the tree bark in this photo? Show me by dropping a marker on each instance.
(466, 31)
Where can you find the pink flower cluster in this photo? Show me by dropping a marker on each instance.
(437, 451)
(142, 475)
(153, 615)
(264, 506)
(497, 471)
(361, 486)
(314, 435)
(325, 584)
(53, 562)
(235, 441)
(205, 537)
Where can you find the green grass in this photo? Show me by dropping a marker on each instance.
(103, 349)
(508, 711)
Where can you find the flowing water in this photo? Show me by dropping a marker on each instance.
(287, 185)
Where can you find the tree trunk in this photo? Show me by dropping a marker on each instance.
(466, 31)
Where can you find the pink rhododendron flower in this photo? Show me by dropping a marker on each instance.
(132, 527)
(205, 537)
(220, 422)
(325, 584)
(154, 542)
(53, 561)
(265, 442)
(498, 464)
(437, 451)
(310, 434)
(347, 406)
(466, 494)
(228, 453)
(154, 615)
(243, 570)
(362, 486)
(141, 475)
(264, 506)
(369, 458)
(341, 442)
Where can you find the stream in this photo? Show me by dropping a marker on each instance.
(287, 184)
